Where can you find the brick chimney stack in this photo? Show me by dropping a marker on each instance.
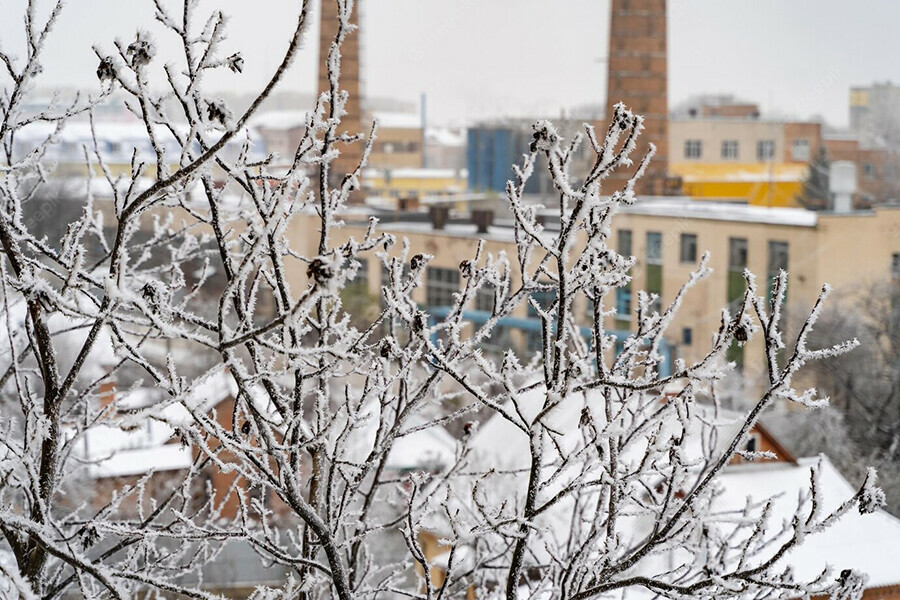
(350, 154)
(638, 76)
(106, 393)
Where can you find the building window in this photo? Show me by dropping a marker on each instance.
(868, 169)
(623, 302)
(654, 248)
(693, 148)
(534, 342)
(387, 148)
(484, 298)
(765, 149)
(800, 150)
(729, 149)
(497, 341)
(737, 254)
(654, 269)
(687, 336)
(625, 242)
(544, 299)
(688, 248)
(441, 284)
(895, 265)
(778, 258)
(753, 444)
(778, 261)
(737, 262)
(362, 273)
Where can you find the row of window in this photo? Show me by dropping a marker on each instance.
(396, 147)
(737, 250)
(765, 149)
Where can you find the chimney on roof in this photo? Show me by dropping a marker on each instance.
(637, 75)
(106, 393)
(842, 185)
(439, 215)
(483, 218)
(351, 82)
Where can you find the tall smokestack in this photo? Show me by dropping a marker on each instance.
(638, 76)
(350, 154)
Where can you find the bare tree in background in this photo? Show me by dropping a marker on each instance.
(321, 400)
(864, 386)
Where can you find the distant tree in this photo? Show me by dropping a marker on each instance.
(865, 386)
(323, 399)
(815, 194)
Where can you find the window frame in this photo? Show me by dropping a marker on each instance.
(693, 149)
(733, 243)
(730, 149)
(693, 250)
(439, 286)
(769, 153)
(805, 143)
(655, 259)
(625, 238)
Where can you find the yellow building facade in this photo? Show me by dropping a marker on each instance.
(759, 162)
(413, 183)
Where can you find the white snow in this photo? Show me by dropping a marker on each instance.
(397, 120)
(139, 461)
(867, 543)
(410, 173)
(442, 136)
(722, 211)
(430, 446)
(280, 119)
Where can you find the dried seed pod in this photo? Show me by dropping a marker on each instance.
(585, 419)
(235, 62)
(319, 270)
(420, 322)
(140, 51)
(417, 261)
(217, 112)
(106, 70)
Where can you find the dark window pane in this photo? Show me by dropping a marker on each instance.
(688, 248)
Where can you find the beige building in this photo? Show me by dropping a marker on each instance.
(735, 155)
(398, 141)
(668, 237)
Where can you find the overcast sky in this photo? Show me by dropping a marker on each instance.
(477, 58)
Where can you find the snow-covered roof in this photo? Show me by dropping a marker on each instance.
(442, 136)
(429, 446)
(280, 119)
(461, 230)
(135, 443)
(408, 173)
(397, 120)
(117, 140)
(867, 543)
(69, 335)
(139, 461)
(722, 211)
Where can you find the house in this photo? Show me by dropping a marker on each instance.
(868, 543)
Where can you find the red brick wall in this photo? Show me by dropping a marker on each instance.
(350, 154)
(638, 76)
